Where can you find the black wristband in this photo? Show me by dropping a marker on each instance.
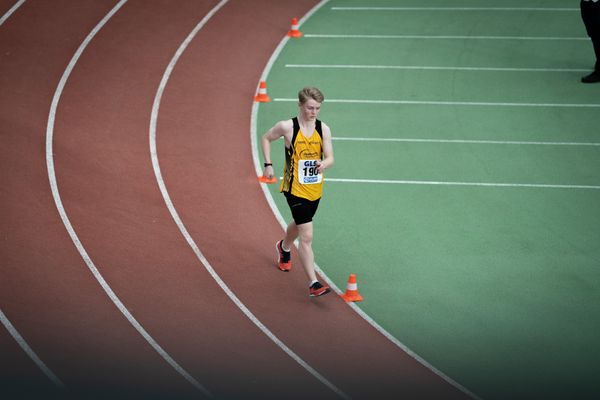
(268, 164)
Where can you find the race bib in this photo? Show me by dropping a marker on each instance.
(307, 172)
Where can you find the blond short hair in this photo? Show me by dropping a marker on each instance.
(310, 93)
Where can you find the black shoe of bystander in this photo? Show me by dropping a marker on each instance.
(594, 77)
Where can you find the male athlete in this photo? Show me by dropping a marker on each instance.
(308, 152)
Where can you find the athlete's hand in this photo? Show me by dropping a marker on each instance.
(268, 171)
(320, 167)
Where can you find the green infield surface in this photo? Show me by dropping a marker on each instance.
(466, 190)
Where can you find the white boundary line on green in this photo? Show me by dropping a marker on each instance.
(283, 223)
(451, 103)
(445, 183)
(434, 68)
(463, 141)
(442, 37)
(452, 9)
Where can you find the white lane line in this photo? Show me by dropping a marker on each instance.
(441, 37)
(283, 224)
(175, 215)
(12, 10)
(451, 103)
(464, 141)
(5, 321)
(67, 223)
(452, 9)
(433, 68)
(445, 183)
(28, 350)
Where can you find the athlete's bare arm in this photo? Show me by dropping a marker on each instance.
(327, 150)
(282, 128)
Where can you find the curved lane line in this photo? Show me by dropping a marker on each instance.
(63, 214)
(283, 223)
(27, 349)
(186, 234)
(12, 10)
(5, 321)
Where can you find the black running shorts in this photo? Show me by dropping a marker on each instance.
(303, 210)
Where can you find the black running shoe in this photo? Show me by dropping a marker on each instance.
(285, 257)
(316, 289)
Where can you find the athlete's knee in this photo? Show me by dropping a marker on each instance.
(305, 236)
(305, 240)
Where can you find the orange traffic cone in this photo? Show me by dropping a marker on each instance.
(265, 179)
(351, 290)
(294, 32)
(262, 93)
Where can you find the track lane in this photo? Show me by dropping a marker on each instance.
(110, 193)
(18, 373)
(26, 348)
(146, 276)
(52, 299)
(7, 8)
(208, 167)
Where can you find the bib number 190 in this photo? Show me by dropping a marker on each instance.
(307, 172)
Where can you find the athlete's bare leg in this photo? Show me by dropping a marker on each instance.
(304, 233)
(291, 233)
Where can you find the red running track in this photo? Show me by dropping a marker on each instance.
(109, 191)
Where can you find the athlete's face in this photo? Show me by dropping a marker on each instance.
(310, 109)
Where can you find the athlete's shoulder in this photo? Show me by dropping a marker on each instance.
(286, 124)
(325, 130)
(323, 124)
(283, 127)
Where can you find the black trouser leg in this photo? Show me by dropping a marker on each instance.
(596, 43)
(590, 14)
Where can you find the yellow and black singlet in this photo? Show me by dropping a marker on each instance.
(300, 176)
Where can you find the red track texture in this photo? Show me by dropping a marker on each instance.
(109, 191)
